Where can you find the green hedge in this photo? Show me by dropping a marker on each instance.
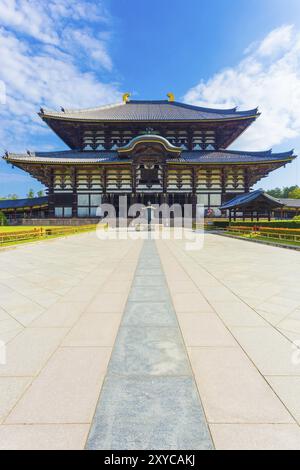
(221, 223)
(273, 223)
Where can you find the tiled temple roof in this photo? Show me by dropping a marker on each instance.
(149, 111)
(196, 156)
(288, 202)
(248, 199)
(234, 156)
(66, 156)
(19, 203)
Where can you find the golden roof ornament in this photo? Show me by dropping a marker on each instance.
(171, 97)
(126, 97)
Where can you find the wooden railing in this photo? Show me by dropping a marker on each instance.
(268, 232)
(42, 233)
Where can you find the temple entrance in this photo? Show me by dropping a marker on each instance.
(145, 198)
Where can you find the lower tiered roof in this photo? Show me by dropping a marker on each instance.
(194, 157)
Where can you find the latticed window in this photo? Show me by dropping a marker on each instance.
(88, 205)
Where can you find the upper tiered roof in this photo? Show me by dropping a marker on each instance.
(155, 111)
(74, 125)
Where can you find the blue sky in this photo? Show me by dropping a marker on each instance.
(81, 53)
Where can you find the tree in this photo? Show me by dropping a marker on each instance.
(3, 219)
(30, 194)
(283, 193)
(276, 192)
(13, 196)
(10, 196)
(295, 193)
(287, 190)
(40, 193)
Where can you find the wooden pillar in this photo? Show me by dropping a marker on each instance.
(165, 184)
(194, 194)
(51, 194)
(223, 184)
(104, 185)
(246, 180)
(133, 183)
(74, 195)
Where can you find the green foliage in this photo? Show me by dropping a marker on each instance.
(30, 194)
(221, 223)
(297, 217)
(276, 192)
(9, 197)
(284, 192)
(40, 193)
(295, 193)
(3, 219)
(274, 223)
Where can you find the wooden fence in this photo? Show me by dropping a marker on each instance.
(275, 233)
(42, 233)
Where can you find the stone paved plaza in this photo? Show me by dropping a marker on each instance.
(126, 344)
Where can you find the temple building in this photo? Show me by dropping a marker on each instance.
(149, 151)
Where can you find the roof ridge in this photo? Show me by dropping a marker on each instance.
(84, 110)
(194, 107)
(258, 152)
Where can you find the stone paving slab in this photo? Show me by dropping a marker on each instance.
(149, 314)
(43, 437)
(150, 350)
(149, 413)
(256, 436)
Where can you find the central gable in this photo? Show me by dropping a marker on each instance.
(149, 145)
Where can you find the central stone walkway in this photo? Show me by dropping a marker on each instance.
(149, 399)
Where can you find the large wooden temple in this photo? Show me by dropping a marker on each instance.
(157, 151)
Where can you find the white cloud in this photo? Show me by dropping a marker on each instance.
(53, 54)
(95, 49)
(277, 40)
(44, 20)
(268, 77)
(29, 17)
(2, 92)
